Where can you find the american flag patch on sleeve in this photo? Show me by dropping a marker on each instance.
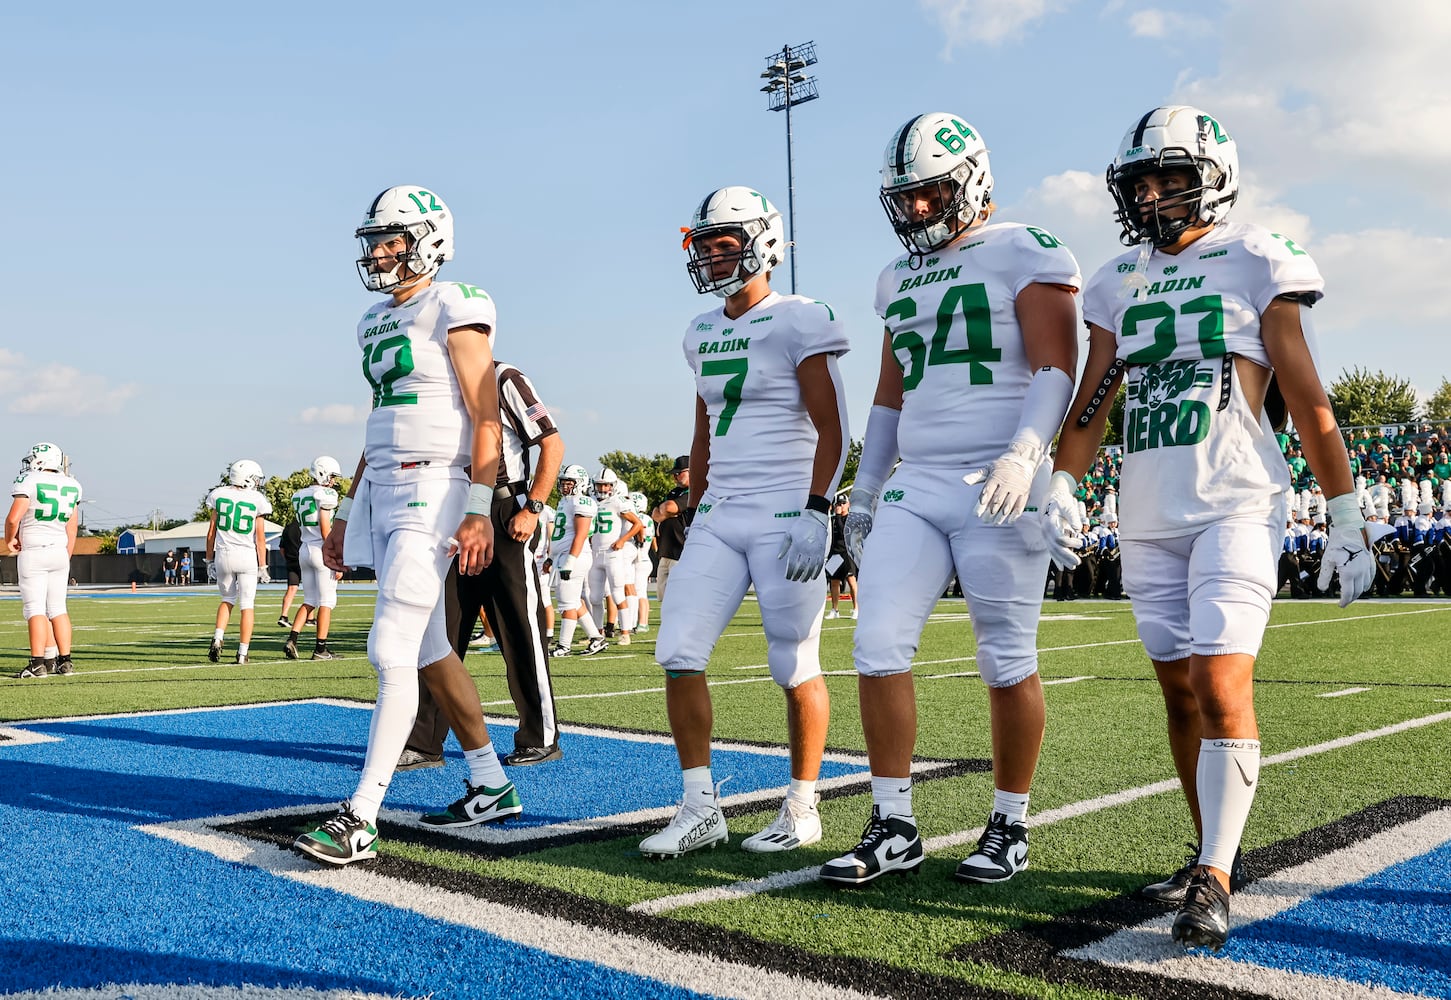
(537, 412)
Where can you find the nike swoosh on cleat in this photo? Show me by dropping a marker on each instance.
(890, 856)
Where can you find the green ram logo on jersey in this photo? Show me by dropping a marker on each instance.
(892, 496)
(1157, 417)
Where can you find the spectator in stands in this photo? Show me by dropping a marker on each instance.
(168, 568)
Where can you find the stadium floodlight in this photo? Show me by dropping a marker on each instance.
(785, 87)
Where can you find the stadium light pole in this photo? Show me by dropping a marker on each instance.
(786, 85)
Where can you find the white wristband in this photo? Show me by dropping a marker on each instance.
(1344, 511)
(481, 499)
(344, 505)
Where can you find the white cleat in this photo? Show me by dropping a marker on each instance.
(697, 824)
(794, 826)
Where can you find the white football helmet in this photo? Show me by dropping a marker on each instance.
(747, 215)
(936, 180)
(326, 470)
(245, 473)
(605, 483)
(1163, 139)
(47, 457)
(640, 502)
(421, 217)
(575, 476)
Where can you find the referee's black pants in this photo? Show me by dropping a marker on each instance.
(509, 593)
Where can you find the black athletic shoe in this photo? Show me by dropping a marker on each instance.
(416, 760)
(35, 668)
(1203, 920)
(609, 630)
(524, 756)
(289, 648)
(323, 653)
(282, 622)
(63, 666)
(1001, 853)
(1170, 892)
(214, 652)
(888, 845)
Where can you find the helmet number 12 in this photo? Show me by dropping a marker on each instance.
(432, 206)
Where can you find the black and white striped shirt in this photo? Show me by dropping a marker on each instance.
(526, 422)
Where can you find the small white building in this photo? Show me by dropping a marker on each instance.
(186, 536)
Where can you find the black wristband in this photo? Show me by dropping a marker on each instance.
(819, 504)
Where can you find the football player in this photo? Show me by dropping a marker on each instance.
(613, 574)
(569, 551)
(40, 530)
(428, 355)
(313, 506)
(979, 334)
(644, 542)
(766, 383)
(237, 548)
(1196, 318)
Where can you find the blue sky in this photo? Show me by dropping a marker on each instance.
(190, 177)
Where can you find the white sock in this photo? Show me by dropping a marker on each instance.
(627, 615)
(484, 767)
(242, 648)
(802, 793)
(892, 796)
(588, 624)
(549, 634)
(393, 716)
(566, 631)
(51, 652)
(1011, 804)
(699, 786)
(1228, 774)
(217, 636)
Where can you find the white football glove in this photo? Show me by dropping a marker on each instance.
(1006, 483)
(1060, 522)
(565, 565)
(805, 545)
(1347, 553)
(858, 524)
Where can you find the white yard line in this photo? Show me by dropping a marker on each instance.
(781, 880)
(1342, 693)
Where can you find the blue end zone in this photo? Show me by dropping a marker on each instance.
(91, 900)
(1392, 929)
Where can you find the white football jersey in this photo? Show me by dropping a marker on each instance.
(608, 524)
(955, 334)
(761, 438)
(577, 504)
(308, 504)
(54, 498)
(238, 509)
(1210, 455)
(418, 417)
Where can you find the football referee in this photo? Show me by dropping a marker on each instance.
(509, 589)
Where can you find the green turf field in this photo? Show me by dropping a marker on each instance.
(1105, 736)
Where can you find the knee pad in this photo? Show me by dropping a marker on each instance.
(1229, 616)
(793, 662)
(1007, 651)
(1163, 640)
(678, 651)
(396, 640)
(881, 650)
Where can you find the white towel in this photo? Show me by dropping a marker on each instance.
(358, 539)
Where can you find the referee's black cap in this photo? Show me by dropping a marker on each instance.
(682, 464)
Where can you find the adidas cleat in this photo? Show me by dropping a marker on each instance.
(794, 826)
(1001, 853)
(341, 840)
(888, 845)
(697, 824)
(479, 805)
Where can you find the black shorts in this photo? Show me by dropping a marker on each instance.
(846, 569)
(294, 574)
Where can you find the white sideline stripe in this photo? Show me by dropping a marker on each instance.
(20, 738)
(1068, 680)
(1342, 694)
(1147, 948)
(782, 880)
(553, 935)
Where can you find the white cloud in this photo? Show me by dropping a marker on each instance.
(343, 414)
(1076, 208)
(1164, 24)
(30, 387)
(986, 22)
(1385, 282)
